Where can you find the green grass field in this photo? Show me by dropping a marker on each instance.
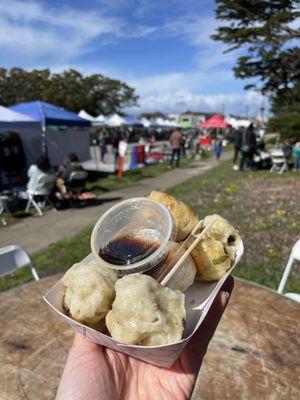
(263, 206)
(112, 182)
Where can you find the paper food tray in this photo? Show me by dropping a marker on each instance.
(198, 300)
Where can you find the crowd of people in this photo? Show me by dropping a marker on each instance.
(177, 143)
(246, 147)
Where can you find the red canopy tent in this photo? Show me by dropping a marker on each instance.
(215, 122)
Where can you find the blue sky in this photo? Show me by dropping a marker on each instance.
(162, 48)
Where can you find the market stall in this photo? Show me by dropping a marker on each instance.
(60, 131)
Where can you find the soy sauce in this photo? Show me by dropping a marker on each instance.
(126, 250)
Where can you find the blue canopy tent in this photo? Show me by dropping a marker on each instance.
(49, 114)
(62, 131)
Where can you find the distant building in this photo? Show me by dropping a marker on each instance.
(174, 117)
(191, 119)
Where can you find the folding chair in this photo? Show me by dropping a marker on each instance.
(14, 257)
(295, 255)
(3, 207)
(279, 162)
(44, 186)
(76, 183)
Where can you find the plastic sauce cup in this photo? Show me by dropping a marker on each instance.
(142, 218)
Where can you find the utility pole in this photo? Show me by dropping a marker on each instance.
(262, 109)
(222, 108)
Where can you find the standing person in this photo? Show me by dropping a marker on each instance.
(287, 149)
(296, 156)
(103, 149)
(238, 141)
(248, 147)
(175, 141)
(153, 137)
(122, 149)
(218, 147)
(183, 143)
(116, 151)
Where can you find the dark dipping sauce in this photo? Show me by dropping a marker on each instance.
(127, 250)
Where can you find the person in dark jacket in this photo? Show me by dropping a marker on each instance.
(248, 147)
(238, 141)
(72, 166)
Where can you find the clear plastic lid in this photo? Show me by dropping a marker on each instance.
(132, 236)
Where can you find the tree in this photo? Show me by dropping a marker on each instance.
(265, 34)
(264, 30)
(286, 119)
(69, 89)
(17, 85)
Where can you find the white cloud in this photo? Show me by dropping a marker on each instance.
(35, 30)
(195, 82)
(200, 91)
(183, 100)
(35, 34)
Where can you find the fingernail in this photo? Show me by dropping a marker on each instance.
(225, 298)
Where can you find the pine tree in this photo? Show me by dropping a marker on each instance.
(266, 35)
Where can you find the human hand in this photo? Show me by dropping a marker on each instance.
(94, 372)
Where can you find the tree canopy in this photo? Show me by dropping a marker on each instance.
(265, 34)
(264, 30)
(70, 89)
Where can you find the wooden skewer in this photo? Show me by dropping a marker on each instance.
(198, 237)
(199, 224)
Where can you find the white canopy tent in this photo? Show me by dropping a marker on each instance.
(26, 127)
(145, 122)
(237, 123)
(115, 120)
(100, 120)
(12, 119)
(83, 114)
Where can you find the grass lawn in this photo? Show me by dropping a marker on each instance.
(263, 206)
(112, 182)
(265, 209)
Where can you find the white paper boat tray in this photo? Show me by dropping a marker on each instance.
(198, 300)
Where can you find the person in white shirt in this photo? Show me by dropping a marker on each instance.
(122, 149)
(35, 171)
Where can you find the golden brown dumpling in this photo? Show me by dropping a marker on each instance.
(184, 219)
(89, 293)
(214, 255)
(146, 313)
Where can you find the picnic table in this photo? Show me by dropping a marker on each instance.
(253, 355)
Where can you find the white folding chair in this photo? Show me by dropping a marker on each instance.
(279, 162)
(14, 257)
(295, 255)
(44, 186)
